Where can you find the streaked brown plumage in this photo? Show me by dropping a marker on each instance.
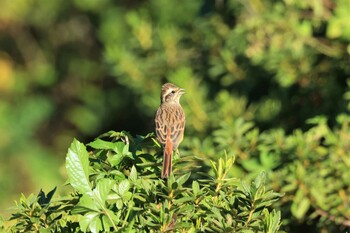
(170, 124)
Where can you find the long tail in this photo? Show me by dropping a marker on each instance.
(167, 158)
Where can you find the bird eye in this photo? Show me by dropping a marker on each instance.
(173, 92)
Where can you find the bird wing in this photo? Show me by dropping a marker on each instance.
(161, 126)
(178, 127)
(170, 120)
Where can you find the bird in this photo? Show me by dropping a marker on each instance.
(170, 123)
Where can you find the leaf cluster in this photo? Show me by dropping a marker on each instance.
(311, 167)
(116, 188)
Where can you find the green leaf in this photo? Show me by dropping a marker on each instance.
(139, 197)
(301, 205)
(102, 145)
(146, 184)
(86, 203)
(214, 167)
(246, 188)
(126, 150)
(317, 120)
(102, 190)
(117, 175)
(106, 222)
(121, 150)
(182, 179)
(195, 188)
(183, 200)
(272, 221)
(119, 147)
(115, 159)
(123, 187)
(95, 225)
(44, 231)
(260, 180)
(44, 200)
(187, 208)
(133, 174)
(119, 204)
(86, 220)
(113, 216)
(77, 165)
(127, 196)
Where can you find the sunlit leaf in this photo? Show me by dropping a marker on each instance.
(77, 164)
(101, 144)
(123, 187)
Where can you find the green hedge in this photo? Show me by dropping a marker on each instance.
(116, 188)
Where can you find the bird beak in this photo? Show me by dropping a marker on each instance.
(182, 91)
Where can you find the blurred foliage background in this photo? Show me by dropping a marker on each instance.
(266, 80)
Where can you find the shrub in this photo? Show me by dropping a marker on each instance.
(116, 187)
(311, 167)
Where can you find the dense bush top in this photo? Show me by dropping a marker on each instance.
(116, 185)
(116, 188)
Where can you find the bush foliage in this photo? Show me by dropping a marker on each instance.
(266, 81)
(116, 188)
